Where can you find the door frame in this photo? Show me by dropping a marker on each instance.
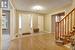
(0, 28)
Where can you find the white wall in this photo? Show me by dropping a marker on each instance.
(12, 23)
(41, 23)
(38, 22)
(35, 21)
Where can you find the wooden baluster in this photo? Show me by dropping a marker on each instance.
(57, 35)
(62, 32)
(59, 30)
(62, 27)
(56, 30)
(71, 21)
(65, 26)
(74, 18)
(68, 24)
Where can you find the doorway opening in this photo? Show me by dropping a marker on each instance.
(55, 19)
(5, 29)
(5, 24)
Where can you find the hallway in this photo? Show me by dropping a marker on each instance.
(6, 41)
(41, 41)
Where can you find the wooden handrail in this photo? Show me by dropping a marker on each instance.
(67, 15)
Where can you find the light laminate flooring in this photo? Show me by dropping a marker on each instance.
(43, 41)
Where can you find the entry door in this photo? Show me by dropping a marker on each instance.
(40, 23)
(25, 23)
(0, 29)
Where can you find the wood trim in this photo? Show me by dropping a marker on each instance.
(74, 17)
(0, 28)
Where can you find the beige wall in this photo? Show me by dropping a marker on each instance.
(41, 23)
(35, 21)
(47, 23)
(48, 18)
(38, 21)
(73, 4)
(26, 21)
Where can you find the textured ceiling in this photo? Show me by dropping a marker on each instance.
(26, 5)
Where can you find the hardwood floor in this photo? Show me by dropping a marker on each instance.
(36, 42)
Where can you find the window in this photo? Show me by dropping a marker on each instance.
(4, 4)
(57, 18)
(4, 22)
(31, 25)
(20, 21)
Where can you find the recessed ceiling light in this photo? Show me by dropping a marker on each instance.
(37, 7)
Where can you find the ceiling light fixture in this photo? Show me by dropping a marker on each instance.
(37, 7)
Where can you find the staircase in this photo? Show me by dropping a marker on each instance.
(65, 28)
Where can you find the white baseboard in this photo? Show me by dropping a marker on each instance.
(47, 32)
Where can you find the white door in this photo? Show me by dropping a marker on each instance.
(40, 23)
(25, 23)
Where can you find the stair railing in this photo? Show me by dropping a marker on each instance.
(65, 26)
